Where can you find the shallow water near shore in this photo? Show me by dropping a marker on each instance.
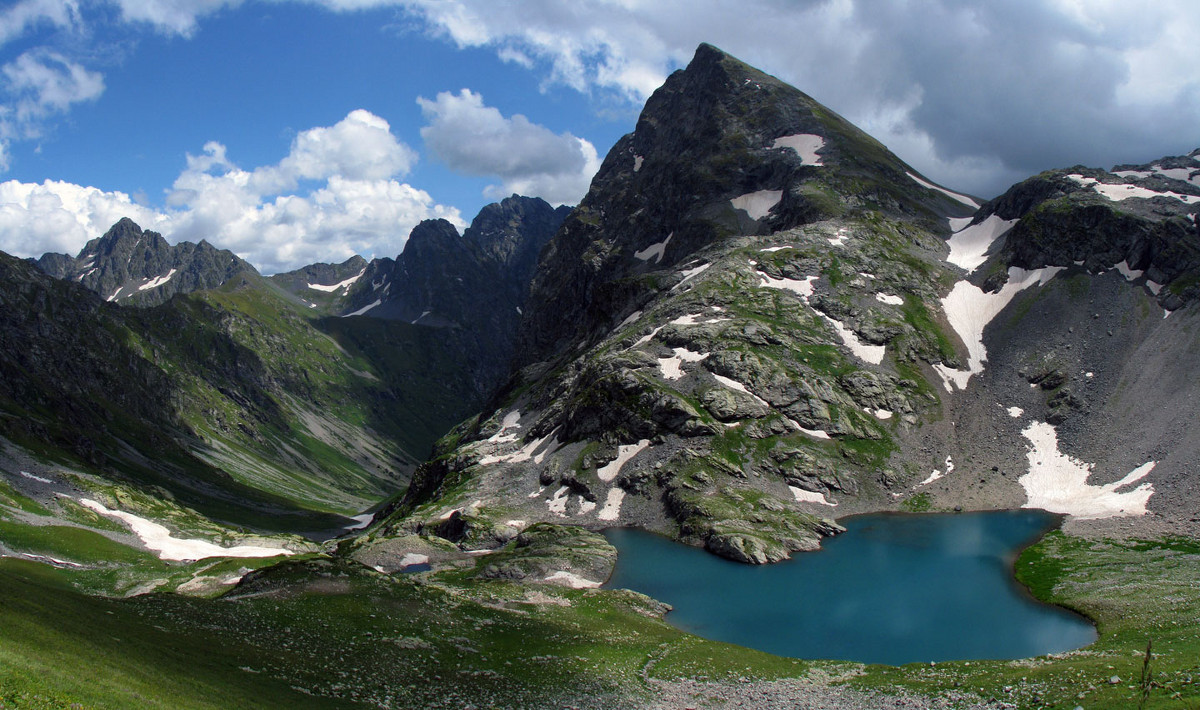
(892, 589)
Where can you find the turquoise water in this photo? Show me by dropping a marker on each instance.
(892, 589)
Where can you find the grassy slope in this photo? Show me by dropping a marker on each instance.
(345, 633)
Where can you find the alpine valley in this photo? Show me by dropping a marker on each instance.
(382, 484)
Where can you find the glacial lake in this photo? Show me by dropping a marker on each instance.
(892, 589)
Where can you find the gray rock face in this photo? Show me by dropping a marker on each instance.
(134, 267)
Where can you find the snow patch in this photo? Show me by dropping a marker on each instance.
(632, 317)
(625, 452)
(768, 250)
(672, 367)
(360, 521)
(937, 473)
(637, 163)
(646, 338)
(654, 251)
(689, 274)
(1117, 193)
(840, 238)
(364, 309)
(1015, 412)
(334, 287)
(814, 433)
(804, 288)
(969, 310)
(1128, 273)
(952, 195)
(969, 246)
(735, 385)
(511, 421)
(414, 558)
(889, 299)
(1058, 483)
(806, 146)
(158, 539)
(35, 477)
(882, 414)
(694, 319)
(571, 580)
(533, 451)
(801, 287)
(558, 502)
(156, 282)
(757, 204)
(803, 496)
(1181, 174)
(865, 352)
(612, 504)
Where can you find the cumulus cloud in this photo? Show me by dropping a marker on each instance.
(529, 159)
(972, 92)
(62, 217)
(359, 207)
(360, 147)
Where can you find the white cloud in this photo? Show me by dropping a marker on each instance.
(360, 147)
(36, 86)
(530, 159)
(62, 217)
(20, 16)
(360, 208)
(171, 16)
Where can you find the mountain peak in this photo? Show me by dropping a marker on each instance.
(721, 149)
(130, 265)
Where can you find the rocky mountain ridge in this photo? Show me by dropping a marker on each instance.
(135, 267)
(472, 286)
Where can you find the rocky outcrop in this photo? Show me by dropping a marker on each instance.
(1141, 216)
(553, 554)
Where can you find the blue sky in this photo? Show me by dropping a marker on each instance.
(298, 131)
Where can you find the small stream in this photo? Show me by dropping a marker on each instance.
(892, 589)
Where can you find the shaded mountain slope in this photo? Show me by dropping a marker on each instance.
(233, 400)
